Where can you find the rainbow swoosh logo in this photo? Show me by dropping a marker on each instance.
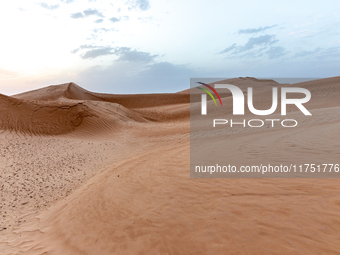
(208, 92)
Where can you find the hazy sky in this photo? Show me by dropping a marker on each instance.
(139, 46)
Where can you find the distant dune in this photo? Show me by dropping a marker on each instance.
(61, 109)
(91, 173)
(74, 92)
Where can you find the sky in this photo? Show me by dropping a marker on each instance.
(156, 46)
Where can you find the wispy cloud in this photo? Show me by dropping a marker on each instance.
(90, 12)
(262, 40)
(320, 54)
(97, 52)
(256, 47)
(85, 46)
(87, 13)
(67, 1)
(143, 5)
(114, 19)
(254, 30)
(276, 52)
(49, 7)
(124, 54)
(103, 30)
(78, 15)
(230, 48)
(305, 53)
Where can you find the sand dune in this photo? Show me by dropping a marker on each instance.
(60, 117)
(74, 92)
(111, 176)
(139, 107)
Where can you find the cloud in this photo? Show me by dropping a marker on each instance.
(331, 55)
(253, 42)
(77, 15)
(85, 46)
(103, 51)
(49, 7)
(276, 52)
(139, 4)
(86, 13)
(256, 41)
(126, 54)
(67, 1)
(305, 53)
(143, 4)
(98, 30)
(232, 47)
(254, 30)
(256, 47)
(90, 12)
(114, 19)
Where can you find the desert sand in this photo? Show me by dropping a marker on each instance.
(89, 173)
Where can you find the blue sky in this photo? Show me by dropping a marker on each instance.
(143, 46)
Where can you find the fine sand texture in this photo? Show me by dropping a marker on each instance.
(89, 173)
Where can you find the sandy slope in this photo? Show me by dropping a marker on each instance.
(118, 183)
